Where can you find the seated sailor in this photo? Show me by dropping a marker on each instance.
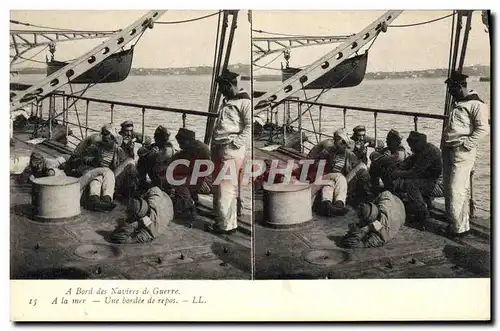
(186, 195)
(362, 142)
(95, 165)
(386, 159)
(155, 158)
(130, 137)
(342, 165)
(417, 176)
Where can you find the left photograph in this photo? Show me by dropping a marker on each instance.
(129, 131)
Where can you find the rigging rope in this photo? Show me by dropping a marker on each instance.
(31, 58)
(421, 23)
(215, 70)
(190, 20)
(264, 66)
(294, 35)
(52, 28)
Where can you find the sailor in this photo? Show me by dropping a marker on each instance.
(96, 166)
(467, 126)
(417, 176)
(123, 169)
(148, 216)
(362, 142)
(130, 137)
(40, 166)
(186, 195)
(155, 158)
(54, 132)
(341, 168)
(386, 159)
(379, 222)
(232, 132)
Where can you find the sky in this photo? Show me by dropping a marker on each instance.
(399, 49)
(172, 45)
(192, 44)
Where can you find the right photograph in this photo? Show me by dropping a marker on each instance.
(372, 132)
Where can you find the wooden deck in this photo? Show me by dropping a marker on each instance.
(52, 250)
(313, 251)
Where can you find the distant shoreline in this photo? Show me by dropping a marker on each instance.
(482, 72)
(277, 78)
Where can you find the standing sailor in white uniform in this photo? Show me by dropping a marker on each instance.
(231, 134)
(467, 126)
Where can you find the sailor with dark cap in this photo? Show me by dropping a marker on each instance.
(130, 137)
(186, 195)
(362, 142)
(231, 134)
(154, 159)
(417, 176)
(466, 127)
(385, 160)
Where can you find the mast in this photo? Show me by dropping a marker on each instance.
(215, 93)
(457, 56)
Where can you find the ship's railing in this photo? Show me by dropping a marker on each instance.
(69, 102)
(307, 107)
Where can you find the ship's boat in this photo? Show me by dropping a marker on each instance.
(349, 73)
(112, 70)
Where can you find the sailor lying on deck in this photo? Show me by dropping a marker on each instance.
(40, 166)
(379, 222)
(148, 217)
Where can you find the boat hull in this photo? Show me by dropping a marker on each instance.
(115, 68)
(349, 73)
